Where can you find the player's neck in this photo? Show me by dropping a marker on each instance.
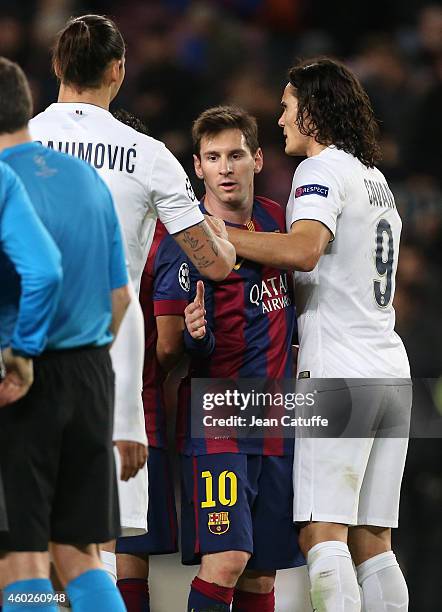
(99, 97)
(314, 148)
(14, 139)
(240, 214)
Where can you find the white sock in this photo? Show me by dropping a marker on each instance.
(334, 587)
(383, 584)
(109, 560)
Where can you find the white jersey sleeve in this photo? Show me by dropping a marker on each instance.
(172, 195)
(317, 194)
(127, 354)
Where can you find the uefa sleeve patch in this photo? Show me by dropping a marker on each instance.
(311, 190)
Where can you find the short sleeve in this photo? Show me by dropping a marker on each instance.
(316, 195)
(172, 194)
(171, 279)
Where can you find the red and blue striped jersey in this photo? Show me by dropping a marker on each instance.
(164, 290)
(251, 316)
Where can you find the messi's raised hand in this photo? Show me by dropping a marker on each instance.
(194, 314)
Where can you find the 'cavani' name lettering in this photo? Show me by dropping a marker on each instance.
(379, 194)
(98, 154)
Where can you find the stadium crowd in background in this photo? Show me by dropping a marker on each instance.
(207, 52)
(237, 51)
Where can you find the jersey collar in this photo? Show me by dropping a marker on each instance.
(82, 106)
(228, 223)
(19, 148)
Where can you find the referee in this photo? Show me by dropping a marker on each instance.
(39, 271)
(26, 251)
(56, 452)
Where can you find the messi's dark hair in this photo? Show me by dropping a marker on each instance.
(15, 98)
(219, 118)
(84, 48)
(334, 108)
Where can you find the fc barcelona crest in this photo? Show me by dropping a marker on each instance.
(218, 522)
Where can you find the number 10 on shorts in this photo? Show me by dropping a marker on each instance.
(226, 480)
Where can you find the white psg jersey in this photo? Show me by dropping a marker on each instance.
(145, 179)
(344, 306)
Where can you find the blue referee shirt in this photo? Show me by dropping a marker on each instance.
(77, 209)
(30, 270)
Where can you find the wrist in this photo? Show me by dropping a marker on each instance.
(199, 347)
(190, 338)
(15, 352)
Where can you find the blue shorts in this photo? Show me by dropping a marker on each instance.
(162, 537)
(243, 502)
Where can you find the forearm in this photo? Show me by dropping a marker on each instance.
(227, 252)
(121, 299)
(284, 251)
(170, 344)
(167, 357)
(213, 256)
(218, 261)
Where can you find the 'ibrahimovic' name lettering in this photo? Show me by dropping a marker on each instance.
(379, 194)
(98, 154)
(271, 294)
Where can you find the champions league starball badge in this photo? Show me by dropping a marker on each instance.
(189, 190)
(183, 277)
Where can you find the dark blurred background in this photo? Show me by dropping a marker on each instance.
(183, 56)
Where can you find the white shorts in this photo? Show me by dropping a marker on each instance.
(355, 481)
(134, 499)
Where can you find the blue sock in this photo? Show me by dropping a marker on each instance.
(94, 591)
(20, 596)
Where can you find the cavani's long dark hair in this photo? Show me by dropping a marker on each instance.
(334, 108)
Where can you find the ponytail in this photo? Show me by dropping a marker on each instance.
(84, 49)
